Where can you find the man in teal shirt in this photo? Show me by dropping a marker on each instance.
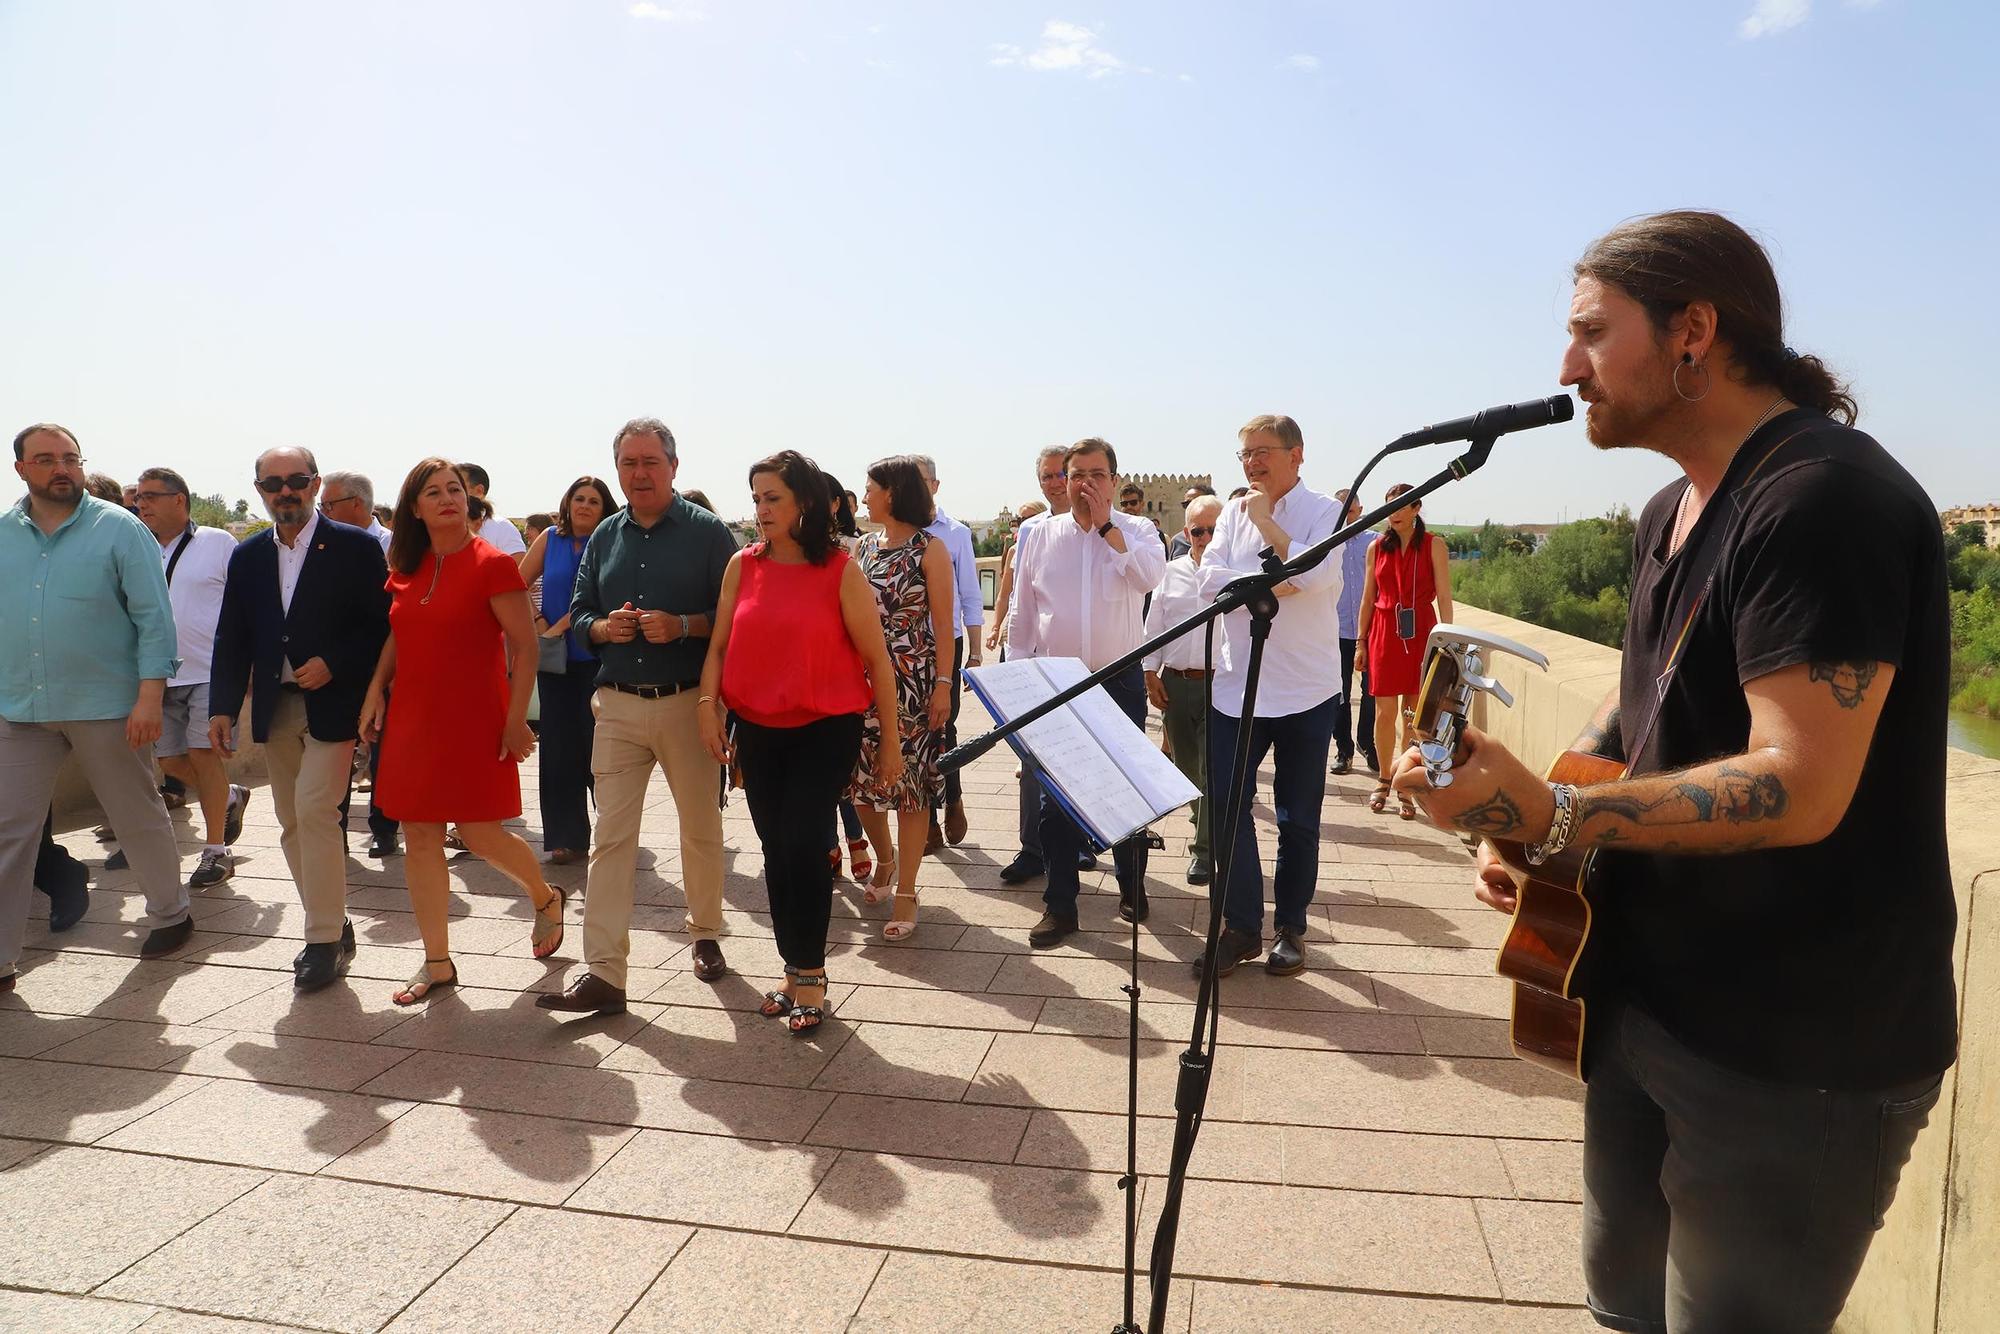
(84, 663)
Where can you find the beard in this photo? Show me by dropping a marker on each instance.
(288, 511)
(60, 490)
(1641, 416)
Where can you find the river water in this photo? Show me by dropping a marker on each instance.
(1976, 733)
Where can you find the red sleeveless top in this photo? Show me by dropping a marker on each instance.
(790, 661)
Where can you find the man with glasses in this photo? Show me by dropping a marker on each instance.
(1180, 545)
(196, 561)
(968, 614)
(349, 498)
(1177, 680)
(644, 599)
(1296, 695)
(1079, 586)
(84, 666)
(304, 616)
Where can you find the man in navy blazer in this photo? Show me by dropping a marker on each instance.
(304, 615)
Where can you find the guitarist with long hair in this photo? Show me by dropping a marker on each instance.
(1768, 974)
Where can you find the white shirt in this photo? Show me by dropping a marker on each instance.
(1075, 597)
(1178, 598)
(292, 559)
(195, 591)
(379, 533)
(1302, 657)
(501, 535)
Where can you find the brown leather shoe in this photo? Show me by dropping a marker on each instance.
(935, 841)
(589, 994)
(708, 962)
(954, 823)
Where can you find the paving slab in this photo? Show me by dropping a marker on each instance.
(505, 1155)
(81, 1103)
(743, 1283)
(706, 1179)
(920, 1294)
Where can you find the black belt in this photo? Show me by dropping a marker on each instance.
(653, 692)
(292, 686)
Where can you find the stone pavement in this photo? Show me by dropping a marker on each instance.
(186, 1145)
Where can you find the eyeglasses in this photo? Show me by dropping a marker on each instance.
(69, 461)
(155, 495)
(1132, 503)
(1091, 475)
(1054, 476)
(1201, 532)
(1260, 453)
(297, 481)
(327, 502)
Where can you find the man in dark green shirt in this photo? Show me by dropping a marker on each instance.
(645, 599)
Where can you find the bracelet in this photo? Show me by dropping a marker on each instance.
(684, 625)
(1560, 828)
(704, 699)
(1105, 531)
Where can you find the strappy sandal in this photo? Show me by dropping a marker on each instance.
(1378, 800)
(422, 983)
(873, 894)
(894, 930)
(812, 1015)
(778, 1004)
(1409, 809)
(548, 934)
(858, 855)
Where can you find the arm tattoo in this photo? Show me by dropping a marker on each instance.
(1734, 796)
(1497, 816)
(1848, 680)
(1602, 739)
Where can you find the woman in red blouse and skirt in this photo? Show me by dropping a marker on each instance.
(458, 613)
(795, 658)
(1406, 591)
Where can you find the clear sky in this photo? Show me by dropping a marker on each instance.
(385, 228)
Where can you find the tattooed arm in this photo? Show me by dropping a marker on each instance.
(1601, 735)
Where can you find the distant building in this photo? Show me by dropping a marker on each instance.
(1987, 516)
(1163, 494)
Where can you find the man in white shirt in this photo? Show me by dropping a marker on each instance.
(1296, 690)
(1053, 480)
(1080, 584)
(196, 561)
(494, 530)
(1176, 680)
(349, 498)
(968, 613)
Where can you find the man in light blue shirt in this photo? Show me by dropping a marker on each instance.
(1353, 574)
(84, 665)
(968, 614)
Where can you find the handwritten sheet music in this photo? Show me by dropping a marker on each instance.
(1109, 772)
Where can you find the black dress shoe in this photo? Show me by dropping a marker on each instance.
(1022, 869)
(166, 939)
(1343, 766)
(320, 965)
(347, 939)
(67, 903)
(1133, 907)
(1199, 871)
(116, 861)
(6, 984)
(381, 848)
(1051, 930)
(1086, 860)
(1233, 948)
(589, 994)
(1286, 955)
(709, 965)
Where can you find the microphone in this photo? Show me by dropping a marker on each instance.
(1493, 421)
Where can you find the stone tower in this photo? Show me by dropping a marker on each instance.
(1163, 494)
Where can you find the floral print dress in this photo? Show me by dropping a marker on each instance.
(897, 576)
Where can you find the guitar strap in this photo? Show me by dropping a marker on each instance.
(1705, 558)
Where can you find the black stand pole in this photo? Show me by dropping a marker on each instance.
(1254, 593)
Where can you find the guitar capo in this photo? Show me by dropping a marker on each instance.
(1455, 659)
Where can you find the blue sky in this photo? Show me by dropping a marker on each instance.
(496, 230)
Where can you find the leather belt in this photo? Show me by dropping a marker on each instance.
(1185, 673)
(653, 692)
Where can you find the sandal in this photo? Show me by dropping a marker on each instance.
(423, 983)
(1409, 810)
(548, 934)
(812, 1015)
(873, 894)
(1378, 800)
(777, 1004)
(895, 930)
(858, 854)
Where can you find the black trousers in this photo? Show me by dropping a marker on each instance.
(1062, 839)
(1345, 737)
(1714, 1202)
(568, 730)
(954, 791)
(54, 866)
(793, 779)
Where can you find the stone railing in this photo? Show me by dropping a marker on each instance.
(1936, 1264)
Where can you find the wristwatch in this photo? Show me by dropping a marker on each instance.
(1105, 531)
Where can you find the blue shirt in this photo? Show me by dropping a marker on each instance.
(1353, 571)
(968, 606)
(85, 612)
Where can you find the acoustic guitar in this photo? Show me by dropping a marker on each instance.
(1551, 930)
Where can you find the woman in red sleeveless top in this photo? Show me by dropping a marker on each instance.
(1407, 590)
(796, 657)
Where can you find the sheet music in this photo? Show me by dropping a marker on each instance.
(1109, 772)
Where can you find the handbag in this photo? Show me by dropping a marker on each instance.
(554, 653)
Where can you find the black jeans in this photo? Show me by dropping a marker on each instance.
(568, 730)
(1716, 1202)
(1060, 836)
(954, 791)
(793, 778)
(1344, 733)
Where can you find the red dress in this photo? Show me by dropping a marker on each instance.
(1402, 579)
(448, 701)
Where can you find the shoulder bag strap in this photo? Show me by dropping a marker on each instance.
(179, 549)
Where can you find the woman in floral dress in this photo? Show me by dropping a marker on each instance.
(912, 579)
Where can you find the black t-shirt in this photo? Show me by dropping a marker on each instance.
(1827, 965)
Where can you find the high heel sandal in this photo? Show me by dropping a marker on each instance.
(895, 930)
(814, 1015)
(547, 937)
(858, 855)
(423, 983)
(778, 1004)
(1378, 800)
(1409, 808)
(873, 893)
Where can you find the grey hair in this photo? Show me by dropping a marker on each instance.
(647, 426)
(1048, 452)
(174, 481)
(312, 464)
(356, 486)
(928, 465)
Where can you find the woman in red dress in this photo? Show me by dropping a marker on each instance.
(1406, 591)
(458, 613)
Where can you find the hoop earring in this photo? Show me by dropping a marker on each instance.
(799, 528)
(1706, 383)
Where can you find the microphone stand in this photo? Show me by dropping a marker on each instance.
(1253, 593)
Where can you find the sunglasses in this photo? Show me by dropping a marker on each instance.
(1201, 532)
(297, 481)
